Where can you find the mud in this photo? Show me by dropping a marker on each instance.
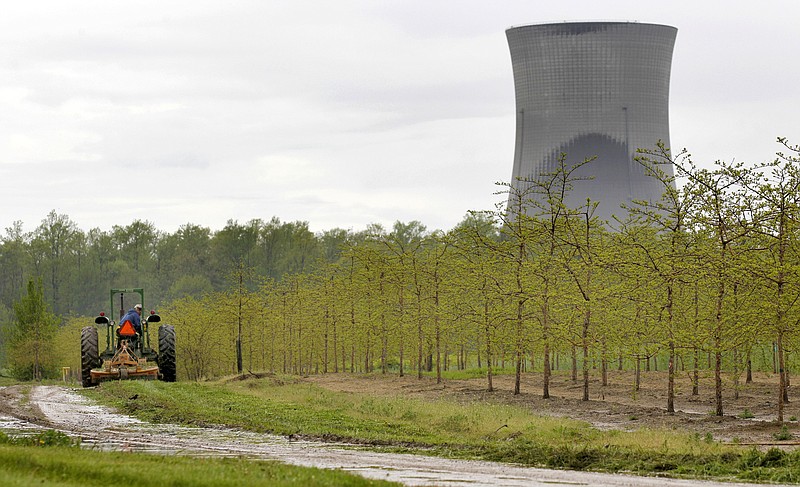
(101, 428)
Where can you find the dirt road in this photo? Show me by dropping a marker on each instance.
(99, 427)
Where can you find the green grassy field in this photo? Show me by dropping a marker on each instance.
(52, 458)
(483, 431)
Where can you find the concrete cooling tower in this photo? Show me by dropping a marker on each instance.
(592, 89)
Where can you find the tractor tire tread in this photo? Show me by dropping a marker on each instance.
(166, 353)
(90, 355)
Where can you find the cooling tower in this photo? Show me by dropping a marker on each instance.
(591, 89)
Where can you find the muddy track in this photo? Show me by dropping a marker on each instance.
(101, 428)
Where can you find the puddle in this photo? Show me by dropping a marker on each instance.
(17, 427)
(101, 428)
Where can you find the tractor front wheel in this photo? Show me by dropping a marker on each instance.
(166, 353)
(90, 355)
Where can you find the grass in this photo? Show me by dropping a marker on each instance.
(52, 458)
(7, 381)
(45, 438)
(478, 430)
(22, 466)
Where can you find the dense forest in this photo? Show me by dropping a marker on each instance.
(78, 267)
(705, 280)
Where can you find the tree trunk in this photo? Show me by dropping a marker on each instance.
(488, 329)
(419, 340)
(671, 365)
(718, 381)
(546, 372)
(384, 345)
(696, 373)
(518, 351)
(585, 345)
(735, 373)
(401, 302)
(671, 379)
(325, 343)
(574, 364)
(781, 377)
(438, 351)
(718, 341)
(749, 379)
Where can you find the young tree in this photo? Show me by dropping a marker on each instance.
(403, 246)
(239, 302)
(479, 282)
(31, 347)
(515, 253)
(667, 247)
(545, 202)
(437, 269)
(724, 213)
(581, 262)
(776, 265)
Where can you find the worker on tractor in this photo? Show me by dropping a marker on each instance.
(134, 317)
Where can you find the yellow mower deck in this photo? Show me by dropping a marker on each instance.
(125, 365)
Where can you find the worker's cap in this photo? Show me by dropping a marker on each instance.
(138, 306)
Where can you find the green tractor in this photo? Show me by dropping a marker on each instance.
(127, 354)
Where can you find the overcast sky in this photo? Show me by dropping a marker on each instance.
(338, 113)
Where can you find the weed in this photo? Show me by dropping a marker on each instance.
(409, 415)
(746, 414)
(44, 438)
(571, 433)
(773, 457)
(783, 434)
(25, 390)
(376, 407)
(792, 418)
(455, 424)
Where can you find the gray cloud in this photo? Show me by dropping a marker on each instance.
(340, 113)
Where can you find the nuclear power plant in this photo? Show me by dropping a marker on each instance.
(592, 89)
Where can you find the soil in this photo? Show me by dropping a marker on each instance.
(747, 420)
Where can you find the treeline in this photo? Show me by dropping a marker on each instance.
(78, 267)
(705, 279)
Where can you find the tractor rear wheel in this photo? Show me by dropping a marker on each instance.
(166, 353)
(90, 355)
